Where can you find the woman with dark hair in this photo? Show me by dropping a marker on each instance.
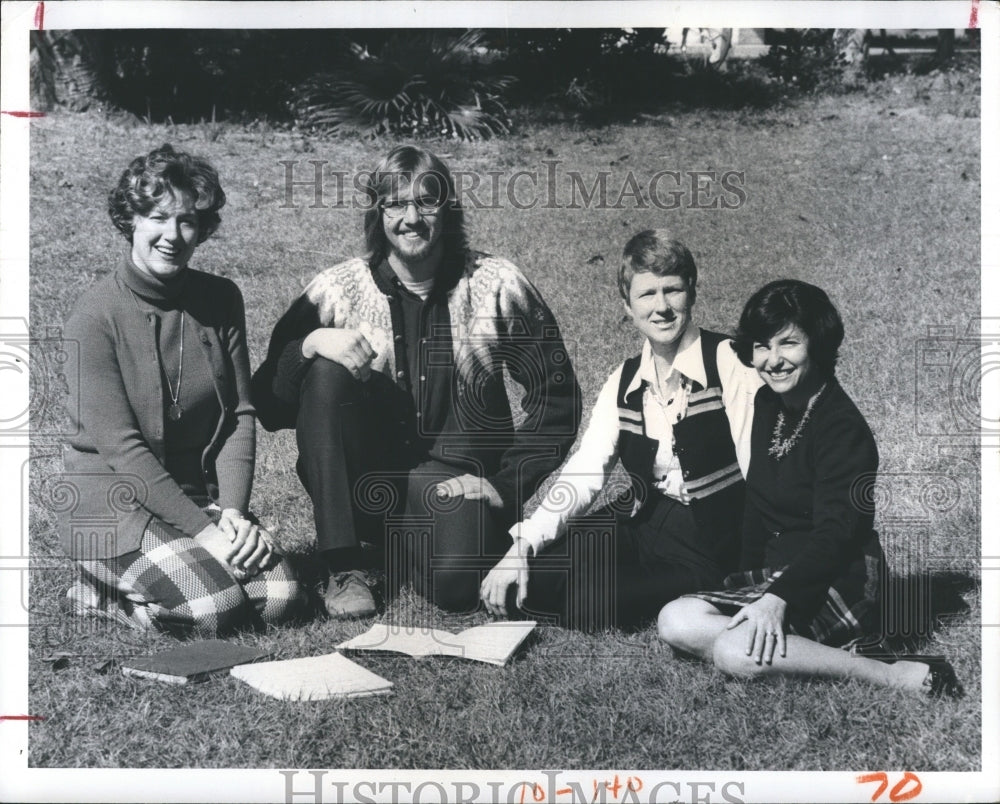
(162, 458)
(811, 560)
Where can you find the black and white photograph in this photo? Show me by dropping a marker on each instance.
(499, 402)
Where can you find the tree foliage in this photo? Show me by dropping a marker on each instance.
(806, 58)
(181, 75)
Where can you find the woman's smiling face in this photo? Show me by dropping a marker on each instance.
(164, 240)
(784, 363)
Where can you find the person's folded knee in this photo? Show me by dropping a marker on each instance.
(286, 600)
(331, 381)
(678, 626)
(669, 624)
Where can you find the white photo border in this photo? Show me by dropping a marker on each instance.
(20, 783)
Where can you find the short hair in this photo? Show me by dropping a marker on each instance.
(789, 301)
(655, 251)
(403, 166)
(163, 172)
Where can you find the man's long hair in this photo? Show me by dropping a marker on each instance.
(405, 165)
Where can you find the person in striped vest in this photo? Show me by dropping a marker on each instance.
(678, 417)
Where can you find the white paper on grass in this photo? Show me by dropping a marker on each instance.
(493, 643)
(313, 678)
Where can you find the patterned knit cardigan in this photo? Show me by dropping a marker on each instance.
(492, 304)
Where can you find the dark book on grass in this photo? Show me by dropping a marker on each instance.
(195, 661)
(493, 643)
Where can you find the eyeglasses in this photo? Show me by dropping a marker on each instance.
(424, 207)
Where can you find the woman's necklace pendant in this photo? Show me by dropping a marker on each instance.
(780, 447)
(175, 412)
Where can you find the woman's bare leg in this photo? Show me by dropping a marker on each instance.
(804, 657)
(697, 628)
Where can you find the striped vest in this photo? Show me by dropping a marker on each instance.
(703, 443)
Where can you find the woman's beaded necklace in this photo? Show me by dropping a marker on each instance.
(780, 447)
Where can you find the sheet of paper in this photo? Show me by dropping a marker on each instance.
(493, 642)
(313, 678)
(411, 641)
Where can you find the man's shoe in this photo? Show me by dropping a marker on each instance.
(348, 596)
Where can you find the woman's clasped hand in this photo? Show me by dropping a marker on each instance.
(251, 547)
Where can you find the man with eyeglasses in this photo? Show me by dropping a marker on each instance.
(391, 368)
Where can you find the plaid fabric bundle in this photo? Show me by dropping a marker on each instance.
(837, 623)
(172, 583)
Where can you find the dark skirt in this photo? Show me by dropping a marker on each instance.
(841, 621)
(611, 569)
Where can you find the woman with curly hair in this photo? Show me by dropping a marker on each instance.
(163, 451)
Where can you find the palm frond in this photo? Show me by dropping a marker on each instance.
(423, 85)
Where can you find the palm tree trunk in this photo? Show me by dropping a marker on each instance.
(69, 68)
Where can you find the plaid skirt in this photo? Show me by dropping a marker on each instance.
(174, 584)
(840, 621)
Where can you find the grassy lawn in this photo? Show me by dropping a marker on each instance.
(873, 197)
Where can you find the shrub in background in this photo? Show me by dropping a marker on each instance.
(413, 83)
(805, 58)
(586, 69)
(603, 75)
(427, 84)
(180, 75)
